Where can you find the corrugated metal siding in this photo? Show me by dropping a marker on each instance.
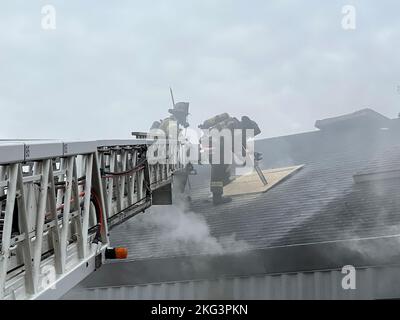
(372, 283)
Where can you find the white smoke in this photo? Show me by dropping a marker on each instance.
(383, 220)
(182, 232)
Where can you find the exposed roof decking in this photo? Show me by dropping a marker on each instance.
(251, 183)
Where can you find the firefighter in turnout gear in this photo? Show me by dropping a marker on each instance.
(221, 172)
(178, 118)
(171, 128)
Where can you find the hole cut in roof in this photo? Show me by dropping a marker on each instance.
(251, 183)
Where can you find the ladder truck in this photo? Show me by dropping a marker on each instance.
(60, 199)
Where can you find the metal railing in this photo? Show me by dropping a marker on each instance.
(58, 201)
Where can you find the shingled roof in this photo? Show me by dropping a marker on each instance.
(319, 205)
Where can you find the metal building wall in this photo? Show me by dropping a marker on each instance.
(371, 283)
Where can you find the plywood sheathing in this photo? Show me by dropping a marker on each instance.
(251, 183)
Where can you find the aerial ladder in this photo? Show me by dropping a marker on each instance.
(60, 199)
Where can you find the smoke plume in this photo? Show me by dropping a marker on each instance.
(180, 231)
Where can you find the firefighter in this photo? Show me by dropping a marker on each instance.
(171, 128)
(177, 118)
(221, 173)
(180, 112)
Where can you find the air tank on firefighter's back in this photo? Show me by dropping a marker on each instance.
(209, 123)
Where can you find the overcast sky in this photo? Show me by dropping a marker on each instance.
(107, 67)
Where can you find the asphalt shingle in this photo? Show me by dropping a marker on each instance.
(319, 203)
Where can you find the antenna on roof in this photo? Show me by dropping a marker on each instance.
(172, 97)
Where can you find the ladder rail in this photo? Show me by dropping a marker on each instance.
(50, 238)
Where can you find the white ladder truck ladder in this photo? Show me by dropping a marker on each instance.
(58, 201)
